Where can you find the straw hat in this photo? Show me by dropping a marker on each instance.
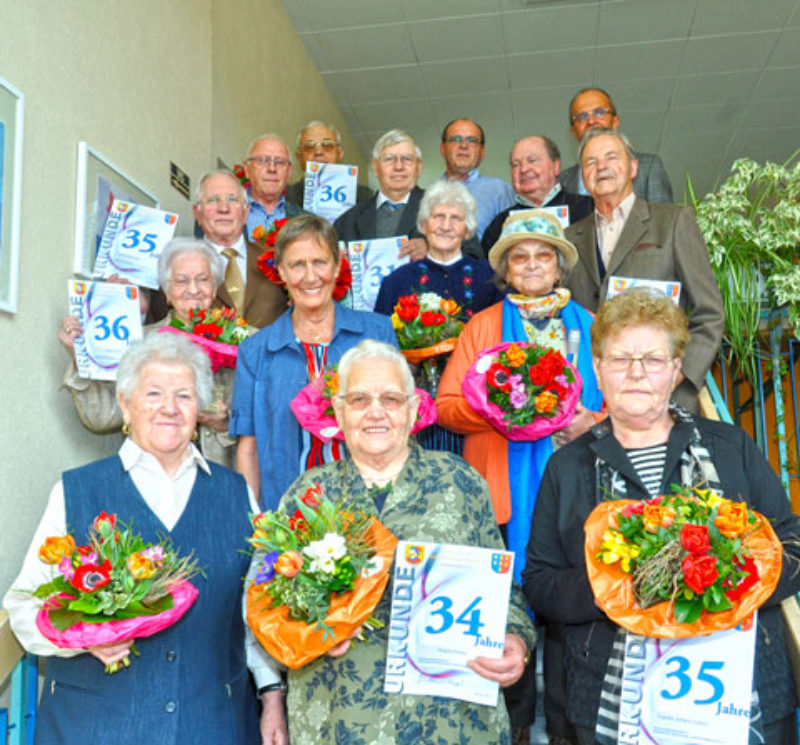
(533, 224)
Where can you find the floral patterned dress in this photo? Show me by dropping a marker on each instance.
(437, 497)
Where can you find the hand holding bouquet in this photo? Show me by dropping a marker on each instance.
(321, 573)
(680, 564)
(426, 325)
(524, 391)
(114, 588)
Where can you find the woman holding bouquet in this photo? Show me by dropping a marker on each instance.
(190, 682)
(646, 444)
(189, 273)
(419, 495)
(284, 357)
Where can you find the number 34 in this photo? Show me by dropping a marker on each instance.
(684, 680)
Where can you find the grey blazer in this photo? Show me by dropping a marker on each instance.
(651, 182)
(659, 241)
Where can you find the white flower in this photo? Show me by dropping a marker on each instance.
(331, 547)
(429, 301)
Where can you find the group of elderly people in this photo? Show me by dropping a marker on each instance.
(191, 683)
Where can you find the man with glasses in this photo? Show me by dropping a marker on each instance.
(591, 108)
(320, 143)
(463, 147)
(268, 166)
(221, 208)
(627, 236)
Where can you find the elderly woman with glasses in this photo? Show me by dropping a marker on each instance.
(646, 444)
(190, 682)
(189, 273)
(418, 495)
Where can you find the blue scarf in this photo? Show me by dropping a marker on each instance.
(526, 460)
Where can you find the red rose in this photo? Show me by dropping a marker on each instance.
(407, 308)
(497, 377)
(429, 318)
(745, 583)
(699, 572)
(694, 538)
(633, 509)
(90, 577)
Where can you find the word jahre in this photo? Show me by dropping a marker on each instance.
(732, 710)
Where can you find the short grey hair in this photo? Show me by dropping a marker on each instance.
(502, 267)
(370, 349)
(199, 192)
(269, 136)
(170, 349)
(599, 132)
(451, 193)
(394, 137)
(307, 226)
(180, 246)
(318, 123)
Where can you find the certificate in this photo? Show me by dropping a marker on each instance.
(370, 262)
(133, 239)
(695, 690)
(617, 285)
(449, 605)
(329, 189)
(110, 318)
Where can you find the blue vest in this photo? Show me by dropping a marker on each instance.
(191, 683)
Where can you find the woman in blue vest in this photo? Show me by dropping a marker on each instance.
(191, 682)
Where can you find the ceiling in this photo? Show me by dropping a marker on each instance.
(701, 82)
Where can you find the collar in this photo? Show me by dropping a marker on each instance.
(547, 197)
(436, 262)
(471, 177)
(281, 331)
(132, 455)
(383, 198)
(621, 212)
(255, 204)
(238, 245)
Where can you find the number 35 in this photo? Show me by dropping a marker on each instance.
(681, 675)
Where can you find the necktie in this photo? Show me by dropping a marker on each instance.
(233, 279)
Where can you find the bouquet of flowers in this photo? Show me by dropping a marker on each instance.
(313, 407)
(524, 391)
(266, 262)
(114, 588)
(219, 331)
(681, 564)
(322, 572)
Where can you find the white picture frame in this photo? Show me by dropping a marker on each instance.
(98, 183)
(12, 110)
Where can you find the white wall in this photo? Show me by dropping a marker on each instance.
(144, 83)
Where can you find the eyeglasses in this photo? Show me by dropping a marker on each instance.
(391, 159)
(542, 256)
(311, 145)
(651, 364)
(181, 282)
(598, 113)
(217, 200)
(458, 139)
(387, 400)
(265, 160)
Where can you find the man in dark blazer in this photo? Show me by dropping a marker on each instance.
(535, 164)
(591, 108)
(221, 208)
(627, 236)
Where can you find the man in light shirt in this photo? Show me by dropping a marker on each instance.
(627, 236)
(221, 209)
(463, 148)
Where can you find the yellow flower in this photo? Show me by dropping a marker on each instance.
(657, 516)
(56, 548)
(140, 567)
(615, 547)
(515, 356)
(397, 324)
(731, 519)
(710, 497)
(449, 306)
(545, 402)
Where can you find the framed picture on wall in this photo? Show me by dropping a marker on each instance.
(99, 183)
(12, 104)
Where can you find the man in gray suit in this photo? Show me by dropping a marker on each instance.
(627, 236)
(591, 108)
